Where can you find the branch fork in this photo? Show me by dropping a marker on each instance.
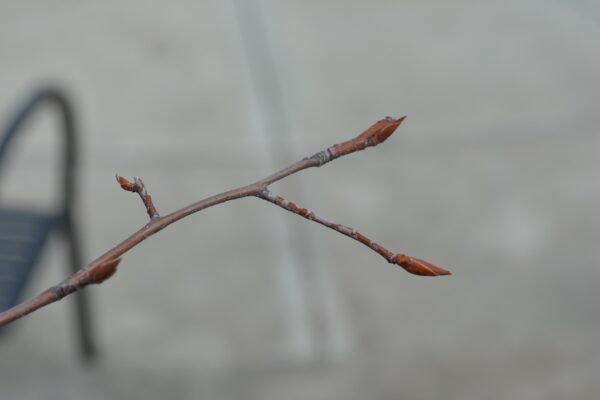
(105, 266)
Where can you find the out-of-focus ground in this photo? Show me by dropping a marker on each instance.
(495, 174)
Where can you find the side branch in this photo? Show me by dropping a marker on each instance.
(138, 187)
(410, 264)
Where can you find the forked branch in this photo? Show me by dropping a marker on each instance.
(105, 266)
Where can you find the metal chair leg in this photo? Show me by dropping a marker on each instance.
(82, 307)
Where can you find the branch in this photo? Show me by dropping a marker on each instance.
(105, 266)
(410, 264)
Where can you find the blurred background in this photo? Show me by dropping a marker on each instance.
(494, 175)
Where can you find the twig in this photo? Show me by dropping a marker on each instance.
(411, 264)
(104, 266)
(138, 187)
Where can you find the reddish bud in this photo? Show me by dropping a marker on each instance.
(383, 129)
(419, 267)
(125, 184)
(375, 134)
(102, 272)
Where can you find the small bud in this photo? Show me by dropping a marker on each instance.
(102, 272)
(125, 184)
(419, 267)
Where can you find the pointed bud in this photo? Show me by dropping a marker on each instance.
(419, 267)
(374, 135)
(383, 129)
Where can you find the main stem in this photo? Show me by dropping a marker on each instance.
(155, 225)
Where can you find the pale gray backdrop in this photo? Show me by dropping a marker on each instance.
(495, 174)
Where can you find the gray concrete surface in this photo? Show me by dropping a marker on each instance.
(494, 175)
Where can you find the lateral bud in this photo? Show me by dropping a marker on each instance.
(102, 272)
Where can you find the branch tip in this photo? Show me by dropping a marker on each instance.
(419, 267)
(383, 130)
(374, 135)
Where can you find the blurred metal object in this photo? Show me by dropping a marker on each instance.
(23, 233)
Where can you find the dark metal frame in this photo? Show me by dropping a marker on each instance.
(65, 215)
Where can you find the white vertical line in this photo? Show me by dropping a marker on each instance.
(265, 125)
(307, 285)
